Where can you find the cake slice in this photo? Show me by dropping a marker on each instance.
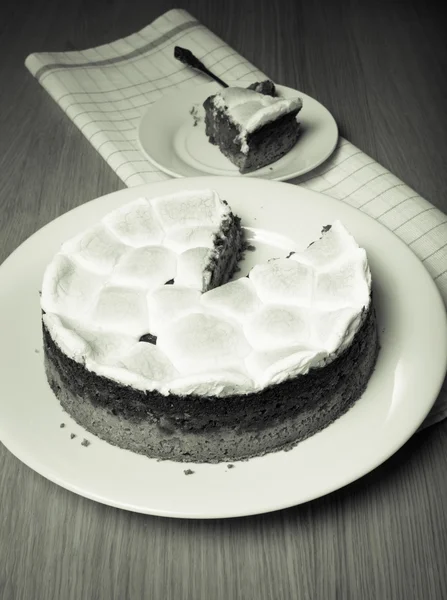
(252, 126)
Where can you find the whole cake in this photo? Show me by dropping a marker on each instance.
(252, 126)
(149, 348)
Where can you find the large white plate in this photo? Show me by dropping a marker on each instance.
(279, 217)
(170, 140)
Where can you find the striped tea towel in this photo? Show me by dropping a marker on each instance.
(106, 90)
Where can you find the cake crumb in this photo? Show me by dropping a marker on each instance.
(149, 338)
(72, 436)
(230, 466)
(85, 443)
(194, 112)
(62, 425)
(36, 351)
(188, 472)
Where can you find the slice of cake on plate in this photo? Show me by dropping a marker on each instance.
(252, 127)
(149, 347)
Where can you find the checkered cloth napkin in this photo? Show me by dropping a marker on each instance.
(106, 90)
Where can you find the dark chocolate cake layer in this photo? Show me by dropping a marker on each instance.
(227, 251)
(214, 429)
(266, 87)
(267, 144)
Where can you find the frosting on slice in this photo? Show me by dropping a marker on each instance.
(251, 110)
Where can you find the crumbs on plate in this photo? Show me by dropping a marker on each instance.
(85, 443)
(188, 472)
(194, 112)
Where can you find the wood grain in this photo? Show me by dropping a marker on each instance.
(380, 68)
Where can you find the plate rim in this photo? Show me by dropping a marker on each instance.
(325, 156)
(134, 192)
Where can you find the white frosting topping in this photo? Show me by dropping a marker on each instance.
(251, 110)
(106, 289)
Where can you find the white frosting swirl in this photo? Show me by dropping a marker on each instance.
(106, 288)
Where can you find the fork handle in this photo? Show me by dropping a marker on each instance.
(186, 57)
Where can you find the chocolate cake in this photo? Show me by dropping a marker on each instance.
(195, 372)
(252, 126)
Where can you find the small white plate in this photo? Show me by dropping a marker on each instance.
(278, 217)
(171, 141)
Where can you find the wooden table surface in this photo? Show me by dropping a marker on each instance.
(380, 68)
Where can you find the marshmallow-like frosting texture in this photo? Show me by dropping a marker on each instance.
(251, 110)
(106, 289)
